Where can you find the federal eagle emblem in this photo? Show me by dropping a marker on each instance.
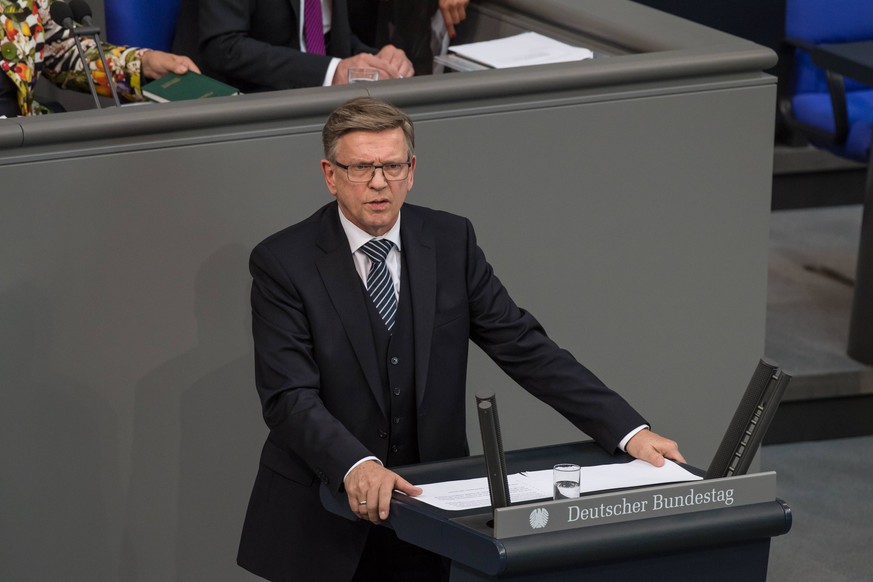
(539, 517)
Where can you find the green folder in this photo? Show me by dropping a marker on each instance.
(173, 87)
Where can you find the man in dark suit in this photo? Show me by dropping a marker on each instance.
(361, 356)
(260, 45)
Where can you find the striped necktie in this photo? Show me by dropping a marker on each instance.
(380, 286)
(313, 27)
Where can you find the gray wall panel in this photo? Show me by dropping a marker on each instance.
(635, 229)
(667, 278)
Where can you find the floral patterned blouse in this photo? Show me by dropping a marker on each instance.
(32, 43)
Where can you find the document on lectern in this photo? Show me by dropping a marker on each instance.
(534, 485)
(527, 48)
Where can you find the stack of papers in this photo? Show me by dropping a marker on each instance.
(533, 485)
(527, 48)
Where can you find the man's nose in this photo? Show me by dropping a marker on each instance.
(378, 178)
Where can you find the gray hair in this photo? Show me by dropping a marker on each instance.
(365, 114)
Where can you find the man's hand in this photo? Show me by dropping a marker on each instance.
(156, 64)
(653, 448)
(369, 487)
(397, 59)
(453, 11)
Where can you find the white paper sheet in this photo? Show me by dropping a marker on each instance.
(527, 48)
(531, 485)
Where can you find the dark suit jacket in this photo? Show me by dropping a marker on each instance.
(318, 378)
(254, 44)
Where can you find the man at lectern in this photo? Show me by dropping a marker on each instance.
(362, 317)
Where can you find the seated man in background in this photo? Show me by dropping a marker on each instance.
(261, 45)
(33, 43)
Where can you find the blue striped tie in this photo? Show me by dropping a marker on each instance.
(379, 282)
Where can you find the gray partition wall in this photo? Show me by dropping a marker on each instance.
(624, 201)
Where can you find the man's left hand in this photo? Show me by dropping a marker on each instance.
(653, 448)
(397, 59)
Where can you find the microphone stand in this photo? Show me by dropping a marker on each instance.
(95, 32)
(87, 69)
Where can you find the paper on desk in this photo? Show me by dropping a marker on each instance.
(527, 48)
(532, 485)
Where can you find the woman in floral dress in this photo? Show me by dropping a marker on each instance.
(31, 43)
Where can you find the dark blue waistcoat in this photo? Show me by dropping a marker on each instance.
(397, 370)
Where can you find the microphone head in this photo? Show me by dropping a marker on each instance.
(81, 11)
(61, 14)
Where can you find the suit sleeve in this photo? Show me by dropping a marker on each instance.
(228, 48)
(288, 378)
(517, 343)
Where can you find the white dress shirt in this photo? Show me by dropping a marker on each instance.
(326, 12)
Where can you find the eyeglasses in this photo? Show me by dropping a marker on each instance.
(393, 171)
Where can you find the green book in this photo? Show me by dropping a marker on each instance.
(173, 87)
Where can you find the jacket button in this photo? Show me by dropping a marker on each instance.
(397, 391)
(396, 420)
(382, 434)
(395, 448)
(395, 360)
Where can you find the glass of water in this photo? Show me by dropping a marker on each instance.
(565, 478)
(358, 75)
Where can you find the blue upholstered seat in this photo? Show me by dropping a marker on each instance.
(143, 23)
(810, 107)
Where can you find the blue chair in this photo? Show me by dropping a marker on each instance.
(831, 112)
(143, 23)
(835, 114)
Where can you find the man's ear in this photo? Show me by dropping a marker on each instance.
(411, 178)
(329, 171)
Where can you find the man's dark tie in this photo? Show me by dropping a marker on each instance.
(313, 27)
(379, 282)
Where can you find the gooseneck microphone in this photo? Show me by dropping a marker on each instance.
(82, 13)
(62, 14)
(492, 445)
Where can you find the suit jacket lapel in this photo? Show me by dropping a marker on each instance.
(418, 246)
(344, 288)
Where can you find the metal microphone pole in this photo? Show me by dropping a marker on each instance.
(82, 13)
(106, 68)
(62, 14)
(94, 31)
(87, 70)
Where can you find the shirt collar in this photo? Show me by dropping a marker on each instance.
(357, 237)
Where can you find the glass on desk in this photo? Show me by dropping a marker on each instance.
(565, 478)
(362, 74)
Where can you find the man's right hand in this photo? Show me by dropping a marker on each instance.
(369, 487)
